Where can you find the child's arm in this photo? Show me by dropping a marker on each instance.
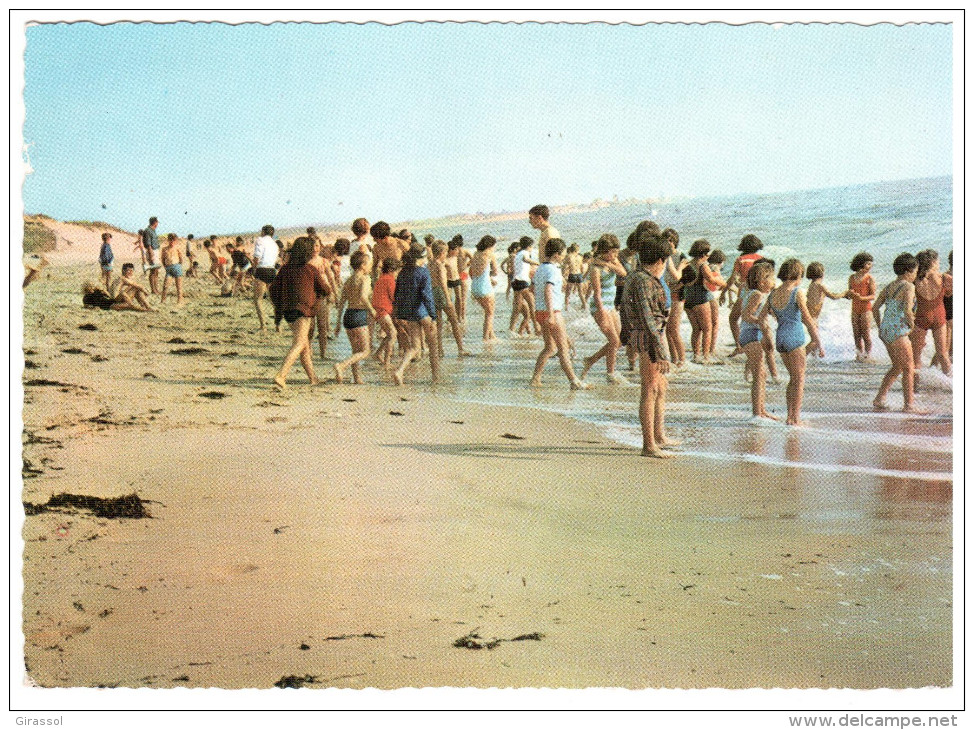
(366, 294)
(342, 300)
(909, 299)
(751, 311)
(712, 276)
(810, 325)
(549, 297)
(596, 280)
(880, 300)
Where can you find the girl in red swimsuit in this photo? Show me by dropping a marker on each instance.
(931, 288)
(863, 289)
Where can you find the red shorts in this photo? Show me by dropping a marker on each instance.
(541, 316)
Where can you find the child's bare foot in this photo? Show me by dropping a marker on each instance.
(586, 366)
(765, 414)
(668, 443)
(535, 382)
(579, 385)
(279, 382)
(464, 353)
(796, 424)
(315, 381)
(339, 375)
(397, 377)
(880, 405)
(916, 411)
(657, 454)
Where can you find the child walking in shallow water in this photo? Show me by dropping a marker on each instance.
(357, 294)
(862, 286)
(754, 332)
(897, 300)
(787, 304)
(644, 310)
(816, 295)
(547, 283)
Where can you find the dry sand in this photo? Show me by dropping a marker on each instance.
(350, 535)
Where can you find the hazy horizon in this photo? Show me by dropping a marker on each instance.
(204, 124)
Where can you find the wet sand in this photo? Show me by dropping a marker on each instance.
(349, 536)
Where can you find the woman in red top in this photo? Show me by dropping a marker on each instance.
(931, 288)
(295, 293)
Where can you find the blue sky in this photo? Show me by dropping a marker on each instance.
(216, 128)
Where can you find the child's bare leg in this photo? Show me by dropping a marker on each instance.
(259, 289)
(452, 316)
(715, 326)
(431, 330)
(546, 352)
(940, 343)
(299, 332)
(439, 332)
(755, 361)
(413, 333)
(165, 288)
(867, 342)
(179, 290)
(564, 347)
(649, 374)
(515, 310)
(659, 426)
(795, 363)
(769, 357)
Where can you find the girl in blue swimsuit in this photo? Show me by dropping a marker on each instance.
(754, 330)
(787, 304)
(899, 298)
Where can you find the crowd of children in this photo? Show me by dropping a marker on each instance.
(401, 290)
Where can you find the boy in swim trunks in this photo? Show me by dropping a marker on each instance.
(895, 326)
(172, 260)
(440, 273)
(547, 284)
(106, 257)
(572, 271)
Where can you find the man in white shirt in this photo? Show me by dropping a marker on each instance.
(264, 259)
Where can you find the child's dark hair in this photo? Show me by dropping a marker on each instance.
(859, 260)
(207, 244)
(358, 258)
(152, 220)
(573, 248)
(429, 238)
(414, 254)
(904, 263)
(128, 267)
(646, 227)
(764, 260)
(379, 230)
(750, 244)
(815, 270)
(390, 264)
(541, 211)
(267, 230)
(342, 246)
(360, 226)
(950, 258)
(526, 241)
(791, 270)
(672, 236)
(105, 236)
(172, 237)
(240, 238)
(653, 249)
(514, 247)
(716, 257)
(301, 251)
(758, 272)
(700, 247)
(486, 242)
(438, 247)
(925, 261)
(554, 247)
(606, 242)
(190, 237)
(455, 242)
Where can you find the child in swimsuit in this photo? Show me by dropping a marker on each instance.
(382, 297)
(749, 247)
(715, 261)
(603, 274)
(787, 304)
(754, 332)
(357, 293)
(676, 263)
(440, 271)
(863, 289)
(483, 270)
(547, 282)
(817, 293)
(172, 259)
(413, 305)
(895, 327)
(931, 314)
(949, 310)
(696, 300)
(572, 271)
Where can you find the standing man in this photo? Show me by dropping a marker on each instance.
(265, 256)
(538, 218)
(150, 242)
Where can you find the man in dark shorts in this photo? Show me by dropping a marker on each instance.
(150, 242)
(265, 257)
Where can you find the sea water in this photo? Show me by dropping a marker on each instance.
(709, 406)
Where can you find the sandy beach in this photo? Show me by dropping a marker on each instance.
(368, 536)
